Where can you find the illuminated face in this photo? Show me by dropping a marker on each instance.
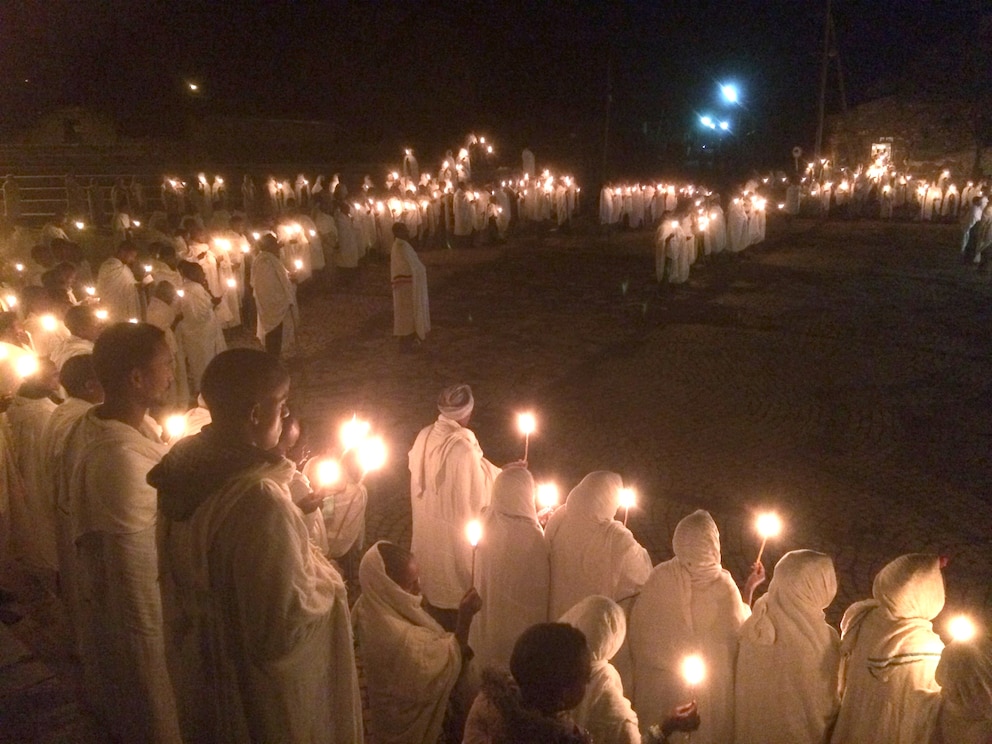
(156, 377)
(267, 416)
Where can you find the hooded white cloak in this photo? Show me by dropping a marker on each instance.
(411, 307)
(117, 289)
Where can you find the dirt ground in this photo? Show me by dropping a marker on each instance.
(838, 373)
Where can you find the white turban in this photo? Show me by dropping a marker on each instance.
(456, 402)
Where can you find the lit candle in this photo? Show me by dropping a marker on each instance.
(527, 425)
(768, 525)
(175, 426)
(473, 531)
(547, 496)
(11, 300)
(80, 224)
(101, 314)
(19, 266)
(48, 323)
(232, 283)
(133, 320)
(327, 473)
(962, 628)
(148, 268)
(353, 432)
(91, 291)
(298, 264)
(626, 498)
(371, 455)
(256, 235)
(180, 293)
(26, 365)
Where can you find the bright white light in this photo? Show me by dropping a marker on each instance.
(298, 264)
(693, 670)
(193, 87)
(372, 454)
(175, 426)
(473, 532)
(725, 126)
(232, 283)
(49, 323)
(768, 525)
(707, 121)
(11, 300)
(627, 498)
(353, 432)
(101, 314)
(26, 365)
(328, 473)
(730, 93)
(80, 224)
(526, 423)
(180, 293)
(962, 628)
(547, 495)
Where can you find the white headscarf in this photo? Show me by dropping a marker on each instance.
(456, 402)
(696, 543)
(604, 711)
(411, 663)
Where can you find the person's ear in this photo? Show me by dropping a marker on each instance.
(255, 414)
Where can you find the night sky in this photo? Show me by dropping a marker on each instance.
(424, 73)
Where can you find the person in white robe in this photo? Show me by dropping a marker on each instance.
(275, 299)
(163, 313)
(961, 713)
(591, 552)
(689, 605)
(83, 327)
(408, 276)
(199, 331)
(33, 514)
(116, 285)
(110, 514)
(412, 664)
(661, 248)
(889, 650)
(513, 570)
(450, 483)
(258, 633)
(604, 711)
(464, 216)
(349, 250)
(736, 226)
(789, 658)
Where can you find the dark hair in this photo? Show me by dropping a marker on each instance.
(77, 372)
(77, 318)
(400, 230)
(236, 379)
(192, 271)
(122, 348)
(395, 560)
(547, 659)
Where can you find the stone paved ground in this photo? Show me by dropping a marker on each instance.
(839, 373)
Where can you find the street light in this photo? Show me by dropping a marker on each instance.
(730, 93)
(725, 126)
(707, 121)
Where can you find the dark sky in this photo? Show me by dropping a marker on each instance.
(425, 72)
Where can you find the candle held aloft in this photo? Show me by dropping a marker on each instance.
(768, 525)
(353, 432)
(371, 454)
(547, 495)
(626, 498)
(527, 424)
(962, 629)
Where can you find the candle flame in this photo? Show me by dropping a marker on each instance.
(768, 525)
(372, 454)
(547, 495)
(526, 423)
(232, 283)
(26, 365)
(175, 426)
(102, 314)
(962, 628)
(48, 323)
(693, 670)
(298, 264)
(627, 498)
(328, 473)
(473, 532)
(353, 432)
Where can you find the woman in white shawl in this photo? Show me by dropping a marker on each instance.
(604, 711)
(889, 650)
(961, 713)
(512, 569)
(786, 687)
(591, 552)
(411, 662)
(689, 605)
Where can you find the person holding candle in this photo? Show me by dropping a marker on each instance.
(689, 605)
(83, 328)
(275, 298)
(450, 483)
(513, 571)
(961, 713)
(789, 658)
(116, 285)
(412, 665)
(889, 650)
(591, 552)
(411, 307)
(199, 332)
(258, 631)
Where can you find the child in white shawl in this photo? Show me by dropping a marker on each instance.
(961, 713)
(689, 605)
(889, 650)
(787, 665)
(411, 662)
(591, 552)
(512, 569)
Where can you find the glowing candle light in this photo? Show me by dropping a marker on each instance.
(180, 293)
(26, 365)
(136, 223)
(223, 243)
(11, 300)
(962, 628)
(80, 224)
(19, 266)
(48, 323)
(312, 233)
(133, 320)
(102, 314)
(256, 235)
(298, 264)
(473, 532)
(527, 425)
(353, 432)
(147, 268)
(175, 426)
(768, 525)
(327, 473)
(232, 283)
(626, 498)
(245, 248)
(547, 495)
(371, 455)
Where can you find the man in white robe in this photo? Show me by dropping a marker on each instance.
(450, 484)
(789, 658)
(116, 285)
(513, 570)
(689, 605)
(890, 651)
(412, 664)
(258, 632)
(411, 307)
(110, 515)
(591, 552)
(961, 713)
(275, 298)
(199, 331)
(84, 327)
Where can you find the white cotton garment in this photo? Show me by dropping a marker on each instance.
(889, 650)
(411, 663)
(450, 484)
(789, 658)
(512, 571)
(591, 552)
(275, 298)
(604, 711)
(110, 509)
(257, 623)
(689, 605)
(199, 331)
(117, 289)
(69, 347)
(411, 307)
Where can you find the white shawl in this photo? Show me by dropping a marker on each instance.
(787, 665)
(117, 290)
(408, 274)
(411, 663)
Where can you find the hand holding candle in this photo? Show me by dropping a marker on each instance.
(175, 426)
(693, 671)
(768, 525)
(473, 533)
(527, 425)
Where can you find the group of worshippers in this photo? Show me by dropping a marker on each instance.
(447, 632)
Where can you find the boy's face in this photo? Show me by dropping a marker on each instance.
(267, 416)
